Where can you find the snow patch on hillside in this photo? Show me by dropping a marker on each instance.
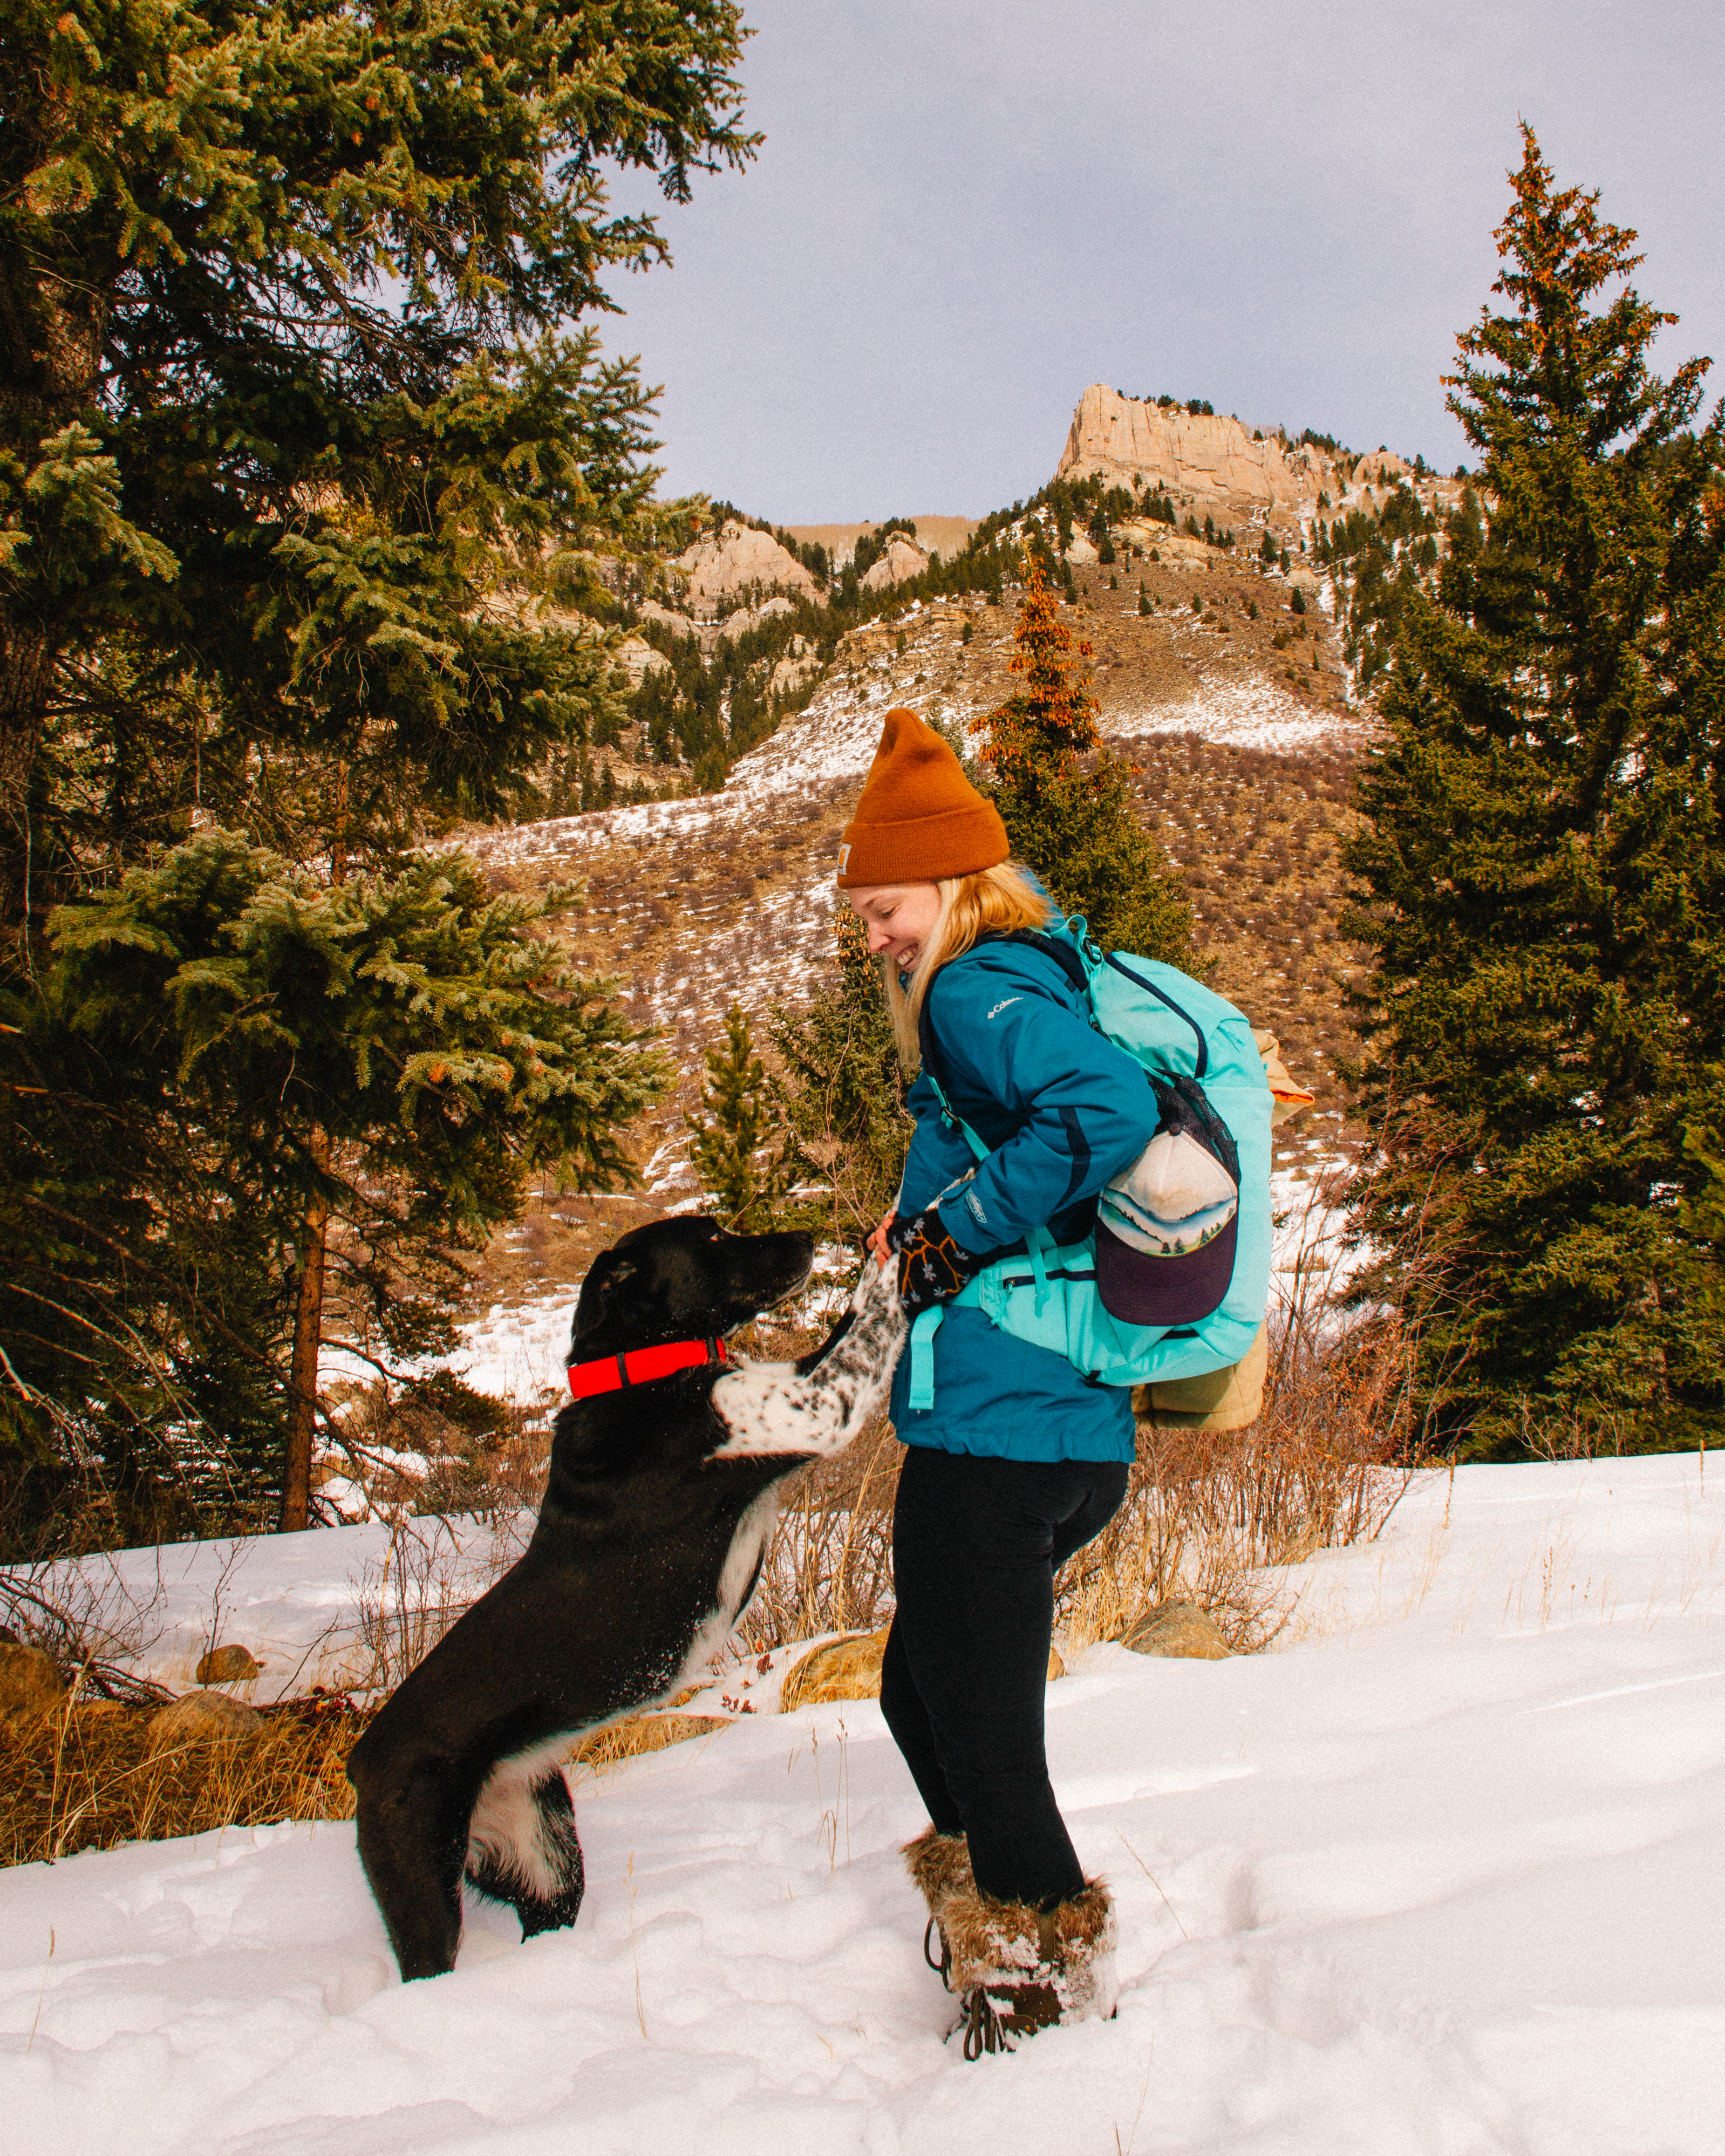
(832, 742)
(1244, 714)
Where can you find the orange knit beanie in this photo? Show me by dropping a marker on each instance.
(920, 819)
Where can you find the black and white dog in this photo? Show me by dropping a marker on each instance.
(664, 1483)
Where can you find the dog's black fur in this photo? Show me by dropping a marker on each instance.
(649, 1543)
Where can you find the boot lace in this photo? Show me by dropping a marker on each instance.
(984, 2030)
(941, 1967)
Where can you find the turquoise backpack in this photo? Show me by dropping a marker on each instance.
(1175, 1027)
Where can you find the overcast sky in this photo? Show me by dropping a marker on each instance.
(965, 210)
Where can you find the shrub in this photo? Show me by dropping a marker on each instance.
(738, 1145)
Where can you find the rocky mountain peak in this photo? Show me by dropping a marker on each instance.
(1209, 461)
(1212, 463)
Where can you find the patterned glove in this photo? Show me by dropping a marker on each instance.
(932, 1267)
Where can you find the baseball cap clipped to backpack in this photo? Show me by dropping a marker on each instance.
(1167, 1225)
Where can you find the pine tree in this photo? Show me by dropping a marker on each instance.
(295, 429)
(262, 1086)
(1543, 871)
(1065, 801)
(738, 1146)
(843, 1090)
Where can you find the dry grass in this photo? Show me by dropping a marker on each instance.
(829, 1567)
(1207, 1518)
(1209, 1515)
(86, 1777)
(433, 1571)
(639, 1733)
(1257, 838)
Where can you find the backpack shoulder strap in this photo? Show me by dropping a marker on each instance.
(933, 1071)
(1052, 946)
(1180, 1010)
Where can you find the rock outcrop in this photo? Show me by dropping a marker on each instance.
(902, 559)
(738, 561)
(1208, 462)
(799, 665)
(1381, 465)
(1213, 464)
(1170, 546)
(637, 660)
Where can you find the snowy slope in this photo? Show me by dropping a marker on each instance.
(1441, 1874)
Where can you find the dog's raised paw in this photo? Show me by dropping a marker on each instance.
(817, 1412)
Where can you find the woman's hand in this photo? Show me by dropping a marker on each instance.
(877, 1241)
(932, 1266)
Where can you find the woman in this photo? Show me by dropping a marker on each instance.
(1019, 1461)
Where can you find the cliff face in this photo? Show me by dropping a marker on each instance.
(901, 559)
(738, 559)
(1211, 463)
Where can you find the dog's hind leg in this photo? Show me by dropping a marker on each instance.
(413, 1835)
(523, 1848)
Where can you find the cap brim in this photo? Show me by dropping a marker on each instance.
(1164, 1291)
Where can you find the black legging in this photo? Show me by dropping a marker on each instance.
(976, 1543)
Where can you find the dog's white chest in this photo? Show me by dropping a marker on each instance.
(736, 1579)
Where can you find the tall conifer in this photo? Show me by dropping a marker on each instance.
(844, 1092)
(1063, 799)
(1542, 869)
(297, 425)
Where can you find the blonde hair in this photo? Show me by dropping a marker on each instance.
(1003, 898)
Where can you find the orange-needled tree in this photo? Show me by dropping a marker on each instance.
(1065, 799)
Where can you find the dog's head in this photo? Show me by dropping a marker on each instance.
(683, 1279)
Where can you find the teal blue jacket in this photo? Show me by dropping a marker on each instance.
(1063, 1110)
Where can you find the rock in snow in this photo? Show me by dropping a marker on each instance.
(1442, 1874)
(1177, 1629)
(230, 1665)
(204, 1717)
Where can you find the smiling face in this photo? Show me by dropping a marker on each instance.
(900, 918)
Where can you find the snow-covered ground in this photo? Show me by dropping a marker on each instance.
(1441, 1874)
(1234, 713)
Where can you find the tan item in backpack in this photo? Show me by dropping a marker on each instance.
(1228, 1399)
(1289, 1098)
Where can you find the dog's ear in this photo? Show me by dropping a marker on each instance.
(605, 1276)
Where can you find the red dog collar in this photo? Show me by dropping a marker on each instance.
(615, 1373)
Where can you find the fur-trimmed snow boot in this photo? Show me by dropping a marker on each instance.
(1017, 1969)
(940, 1866)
